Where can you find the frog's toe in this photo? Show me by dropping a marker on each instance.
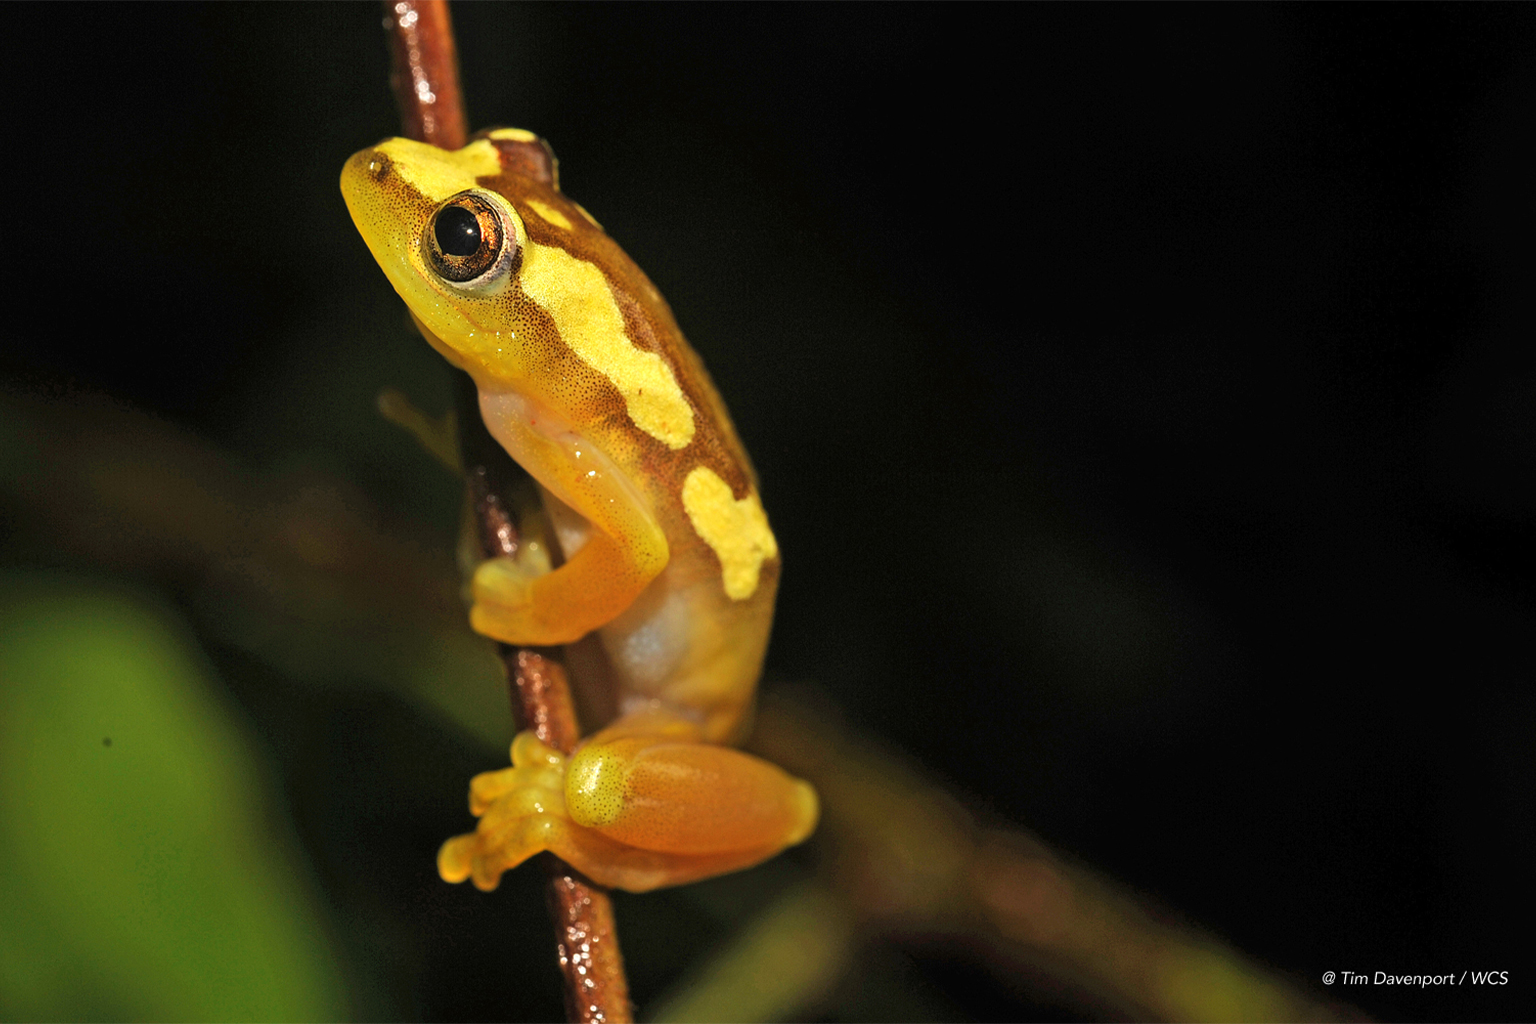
(500, 844)
(456, 859)
(521, 811)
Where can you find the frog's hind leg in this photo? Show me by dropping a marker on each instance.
(631, 810)
(668, 792)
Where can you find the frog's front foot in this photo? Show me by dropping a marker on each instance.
(630, 812)
(520, 601)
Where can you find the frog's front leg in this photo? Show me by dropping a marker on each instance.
(623, 549)
(640, 805)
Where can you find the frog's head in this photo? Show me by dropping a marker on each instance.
(449, 240)
(515, 283)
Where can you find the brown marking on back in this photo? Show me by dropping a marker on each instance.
(533, 160)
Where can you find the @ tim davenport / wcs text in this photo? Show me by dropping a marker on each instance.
(1417, 980)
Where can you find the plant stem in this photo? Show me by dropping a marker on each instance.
(425, 78)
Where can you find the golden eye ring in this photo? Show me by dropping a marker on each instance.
(468, 241)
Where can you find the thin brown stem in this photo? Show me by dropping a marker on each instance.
(424, 72)
(425, 78)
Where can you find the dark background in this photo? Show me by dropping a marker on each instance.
(1163, 376)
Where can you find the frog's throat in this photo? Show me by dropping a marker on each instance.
(443, 348)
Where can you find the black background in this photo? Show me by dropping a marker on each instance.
(1166, 375)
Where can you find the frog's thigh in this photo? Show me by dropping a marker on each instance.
(684, 798)
(600, 581)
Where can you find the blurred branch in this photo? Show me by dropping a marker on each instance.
(425, 78)
(298, 572)
(908, 864)
(424, 72)
(911, 863)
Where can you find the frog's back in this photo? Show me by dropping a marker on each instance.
(695, 638)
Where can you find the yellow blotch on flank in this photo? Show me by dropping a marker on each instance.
(436, 173)
(550, 214)
(737, 531)
(576, 296)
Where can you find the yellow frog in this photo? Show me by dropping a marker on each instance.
(586, 381)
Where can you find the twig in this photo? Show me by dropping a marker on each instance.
(424, 72)
(425, 78)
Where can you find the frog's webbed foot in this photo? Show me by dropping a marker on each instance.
(630, 811)
(522, 812)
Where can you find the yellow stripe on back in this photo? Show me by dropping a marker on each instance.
(440, 173)
(576, 296)
(550, 214)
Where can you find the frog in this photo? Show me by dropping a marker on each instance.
(665, 553)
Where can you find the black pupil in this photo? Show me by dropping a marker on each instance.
(458, 231)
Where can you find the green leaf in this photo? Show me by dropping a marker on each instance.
(143, 874)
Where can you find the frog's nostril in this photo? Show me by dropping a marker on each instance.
(378, 166)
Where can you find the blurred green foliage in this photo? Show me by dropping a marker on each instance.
(145, 875)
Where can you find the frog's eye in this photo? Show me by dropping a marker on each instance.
(471, 240)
